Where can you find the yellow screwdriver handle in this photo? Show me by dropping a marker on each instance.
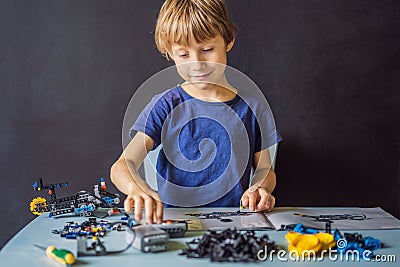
(61, 255)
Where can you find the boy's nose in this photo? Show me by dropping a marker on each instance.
(196, 56)
(198, 65)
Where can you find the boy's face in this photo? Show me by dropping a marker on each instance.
(202, 64)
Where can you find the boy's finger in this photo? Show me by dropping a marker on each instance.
(148, 203)
(271, 203)
(263, 204)
(128, 203)
(138, 208)
(252, 202)
(245, 200)
(159, 212)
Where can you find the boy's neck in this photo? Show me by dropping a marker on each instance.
(210, 92)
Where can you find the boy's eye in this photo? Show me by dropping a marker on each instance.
(208, 50)
(183, 55)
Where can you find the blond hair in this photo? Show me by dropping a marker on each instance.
(180, 21)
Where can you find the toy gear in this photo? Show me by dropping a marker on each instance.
(38, 205)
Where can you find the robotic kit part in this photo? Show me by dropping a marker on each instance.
(149, 238)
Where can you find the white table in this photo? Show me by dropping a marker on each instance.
(20, 251)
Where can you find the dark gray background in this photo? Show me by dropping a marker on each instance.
(330, 70)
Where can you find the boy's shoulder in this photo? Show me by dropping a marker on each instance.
(173, 94)
(167, 100)
(255, 99)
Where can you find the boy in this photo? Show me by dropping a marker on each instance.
(201, 163)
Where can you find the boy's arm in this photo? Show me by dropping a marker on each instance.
(264, 174)
(259, 196)
(124, 174)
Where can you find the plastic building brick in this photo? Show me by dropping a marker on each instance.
(217, 214)
(356, 242)
(305, 244)
(229, 245)
(89, 228)
(93, 246)
(175, 229)
(150, 238)
(82, 204)
(328, 219)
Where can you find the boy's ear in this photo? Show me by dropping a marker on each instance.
(230, 45)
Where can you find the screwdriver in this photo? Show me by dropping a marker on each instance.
(61, 255)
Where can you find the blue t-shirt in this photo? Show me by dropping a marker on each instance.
(207, 147)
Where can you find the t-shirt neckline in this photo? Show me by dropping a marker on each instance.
(228, 102)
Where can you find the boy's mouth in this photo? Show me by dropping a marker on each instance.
(200, 76)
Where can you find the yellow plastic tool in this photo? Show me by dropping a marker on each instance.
(61, 255)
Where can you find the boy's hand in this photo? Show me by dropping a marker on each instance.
(258, 199)
(147, 199)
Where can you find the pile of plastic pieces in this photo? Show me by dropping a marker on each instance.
(229, 245)
(308, 240)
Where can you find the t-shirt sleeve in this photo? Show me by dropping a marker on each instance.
(151, 120)
(266, 132)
